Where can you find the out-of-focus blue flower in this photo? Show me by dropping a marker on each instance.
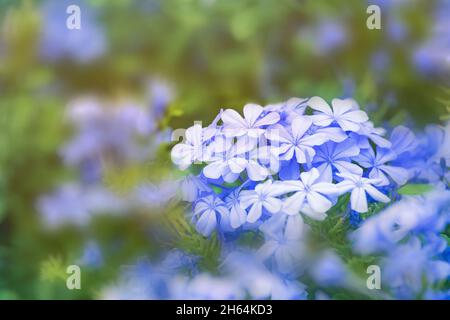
(145, 280)
(58, 41)
(283, 245)
(432, 58)
(113, 131)
(192, 187)
(407, 265)
(329, 270)
(161, 95)
(424, 161)
(411, 215)
(76, 204)
(92, 255)
(368, 132)
(150, 195)
(325, 37)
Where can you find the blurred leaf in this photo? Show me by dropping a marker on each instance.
(415, 189)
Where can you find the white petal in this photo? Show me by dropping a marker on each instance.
(317, 103)
(341, 106)
(213, 170)
(232, 118)
(299, 126)
(293, 204)
(377, 195)
(255, 212)
(358, 200)
(398, 174)
(347, 125)
(252, 112)
(270, 118)
(207, 223)
(318, 202)
(273, 205)
(238, 216)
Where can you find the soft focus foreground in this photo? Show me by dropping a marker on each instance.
(266, 196)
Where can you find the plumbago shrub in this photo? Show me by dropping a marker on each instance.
(306, 199)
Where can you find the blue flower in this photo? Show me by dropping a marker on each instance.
(336, 156)
(294, 142)
(92, 255)
(308, 191)
(209, 213)
(264, 196)
(379, 169)
(329, 270)
(191, 150)
(238, 215)
(411, 215)
(192, 187)
(345, 113)
(408, 265)
(283, 246)
(58, 42)
(254, 119)
(359, 186)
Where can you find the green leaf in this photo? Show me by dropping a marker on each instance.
(415, 189)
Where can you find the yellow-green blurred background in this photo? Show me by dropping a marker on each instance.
(189, 58)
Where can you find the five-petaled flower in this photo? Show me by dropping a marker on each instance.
(254, 119)
(345, 113)
(359, 186)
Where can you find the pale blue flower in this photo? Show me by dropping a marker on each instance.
(101, 129)
(403, 140)
(379, 169)
(282, 245)
(345, 113)
(192, 187)
(411, 267)
(211, 212)
(230, 163)
(238, 215)
(329, 270)
(59, 42)
(310, 191)
(254, 119)
(336, 156)
(294, 142)
(359, 186)
(369, 132)
(413, 214)
(258, 281)
(335, 134)
(264, 196)
(191, 149)
(77, 204)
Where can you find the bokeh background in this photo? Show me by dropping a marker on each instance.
(86, 115)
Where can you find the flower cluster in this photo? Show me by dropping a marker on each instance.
(278, 169)
(284, 159)
(109, 137)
